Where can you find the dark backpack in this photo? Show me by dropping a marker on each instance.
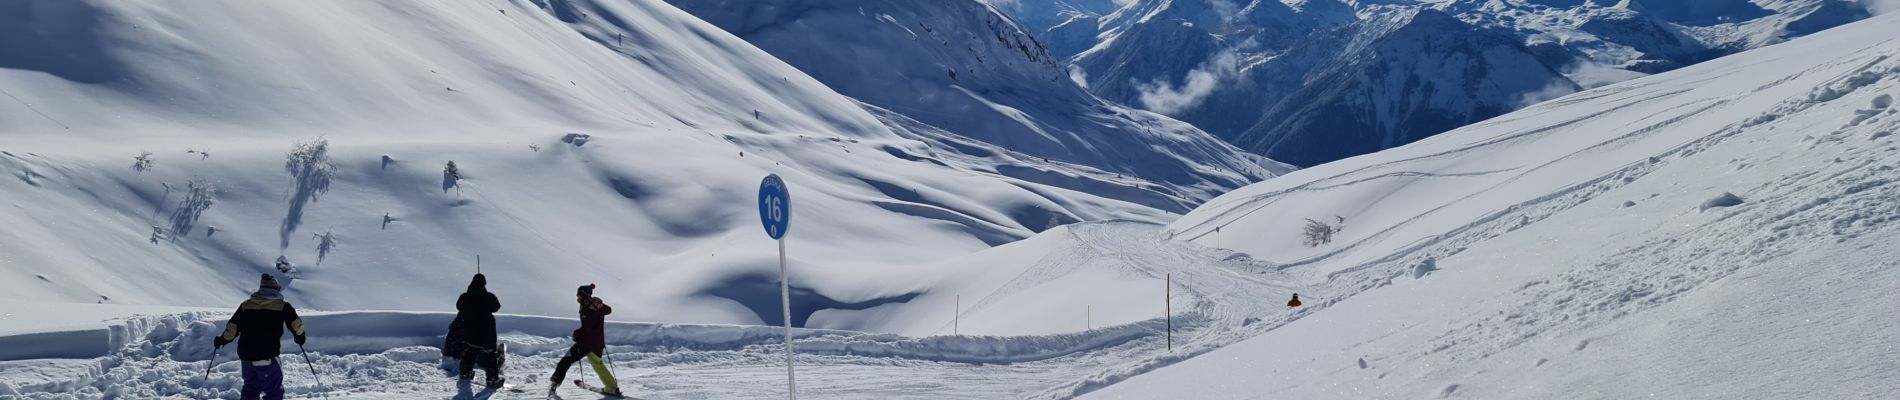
(455, 342)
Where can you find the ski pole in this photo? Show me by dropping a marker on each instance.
(313, 371)
(211, 363)
(610, 365)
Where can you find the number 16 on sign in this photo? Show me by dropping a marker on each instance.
(775, 211)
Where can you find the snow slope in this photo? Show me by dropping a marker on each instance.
(615, 142)
(1576, 249)
(1117, 267)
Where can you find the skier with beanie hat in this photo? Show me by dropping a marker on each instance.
(475, 311)
(590, 341)
(257, 327)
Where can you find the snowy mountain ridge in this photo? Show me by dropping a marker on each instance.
(965, 67)
(1195, 59)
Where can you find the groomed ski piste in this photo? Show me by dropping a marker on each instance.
(395, 355)
(1721, 231)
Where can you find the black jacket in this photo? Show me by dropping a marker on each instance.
(258, 326)
(476, 308)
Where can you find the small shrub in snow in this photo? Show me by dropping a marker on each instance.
(310, 164)
(199, 197)
(1726, 199)
(325, 243)
(1319, 233)
(143, 162)
(311, 172)
(451, 178)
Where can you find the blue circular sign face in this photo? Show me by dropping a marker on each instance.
(775, 206)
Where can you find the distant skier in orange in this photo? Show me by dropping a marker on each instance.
(1295, 302)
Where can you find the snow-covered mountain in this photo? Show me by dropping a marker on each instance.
(1045, 16)
(1378, 83)
(963, 66)
(1206, 61)
(1722, 230)
(159, 148)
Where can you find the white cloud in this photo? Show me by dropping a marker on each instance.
(1227, 10)
(1551, 91)
(1081, 77)
(1165, 97)
(1591, 74)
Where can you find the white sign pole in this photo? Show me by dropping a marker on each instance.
(785, 298)
(775, 211)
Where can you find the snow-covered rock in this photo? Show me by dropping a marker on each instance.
(1725, 199)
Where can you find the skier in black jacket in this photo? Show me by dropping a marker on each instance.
(257, 327)
(476, 310)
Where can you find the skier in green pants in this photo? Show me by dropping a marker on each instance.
(590, 341)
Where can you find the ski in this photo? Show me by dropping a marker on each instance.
(591, 388)
(503, 387)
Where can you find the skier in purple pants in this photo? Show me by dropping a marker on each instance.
(257, 327)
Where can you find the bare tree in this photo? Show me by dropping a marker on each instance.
(311, 171)
(1319, 233)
